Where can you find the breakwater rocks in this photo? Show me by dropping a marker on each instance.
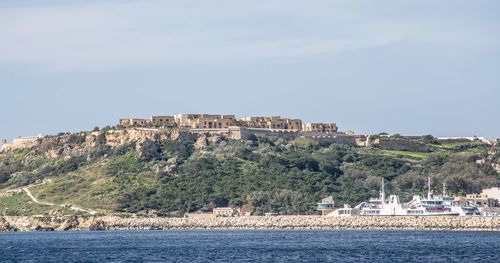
(13, 223)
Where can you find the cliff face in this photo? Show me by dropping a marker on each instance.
(72, 144)
(115, 138)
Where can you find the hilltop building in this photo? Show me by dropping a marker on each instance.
(219, 121)
(20, 143)
(133, 122)
(205, 121)
(245, 127)
(195, 121)
(320, 127)
(167, 121)
(272, 123)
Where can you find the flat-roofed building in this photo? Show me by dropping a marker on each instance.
(293, 124)
(272, 123)
(133, 122)
(326, 206)
(183, 120)
(320, 127)
(168, 121)
(224, 212)
(493, 192)
(481, 200)
(205, 121)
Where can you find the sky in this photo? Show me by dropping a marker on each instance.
(408, 67)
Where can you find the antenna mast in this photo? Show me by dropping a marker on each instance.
(429, 188)
(382, 191)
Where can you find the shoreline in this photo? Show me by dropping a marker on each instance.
(83, 223)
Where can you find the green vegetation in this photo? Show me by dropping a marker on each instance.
(84, 188)
(268, 174)
(20, 204)
(416, 155)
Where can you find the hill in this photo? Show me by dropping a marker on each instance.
(170, 172)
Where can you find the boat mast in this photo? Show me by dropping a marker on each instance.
(429, 188)
(382, 191)
(444, 188)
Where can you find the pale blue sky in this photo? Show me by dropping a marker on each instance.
(409, 67)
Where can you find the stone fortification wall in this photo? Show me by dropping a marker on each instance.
(10, 223)
(21, 143)
(232, 132)
(238, 133)
(247, 132)
(352, 140)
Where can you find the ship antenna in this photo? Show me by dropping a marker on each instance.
(444, 188)
(382, 192)
(429, 187)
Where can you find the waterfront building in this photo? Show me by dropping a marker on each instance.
(493, 192)
(479, 200)
(347, 210)
(224, 212)
(326, 206)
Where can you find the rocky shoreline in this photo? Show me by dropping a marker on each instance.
(25, 223)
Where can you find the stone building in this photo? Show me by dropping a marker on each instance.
(326, 206)
(480, 200)
(167, 121)
(225, 212)
(21, 143)
(320, 127)
(194, 121)
(272, 123)
(293, 124)
(493, 192)
(205, 121)
(218, 121)
(133, 122)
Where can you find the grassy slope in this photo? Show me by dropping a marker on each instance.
(21, 204)
(87, 187)
(416, 155)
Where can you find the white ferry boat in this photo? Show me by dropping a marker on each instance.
(419, 206)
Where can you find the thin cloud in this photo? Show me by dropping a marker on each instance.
(134, 34)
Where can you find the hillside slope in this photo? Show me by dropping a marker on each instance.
(173, 173)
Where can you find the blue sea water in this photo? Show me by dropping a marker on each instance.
(250, 246)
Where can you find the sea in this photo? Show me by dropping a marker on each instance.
(250, 246)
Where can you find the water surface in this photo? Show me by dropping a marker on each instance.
(251, 246)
